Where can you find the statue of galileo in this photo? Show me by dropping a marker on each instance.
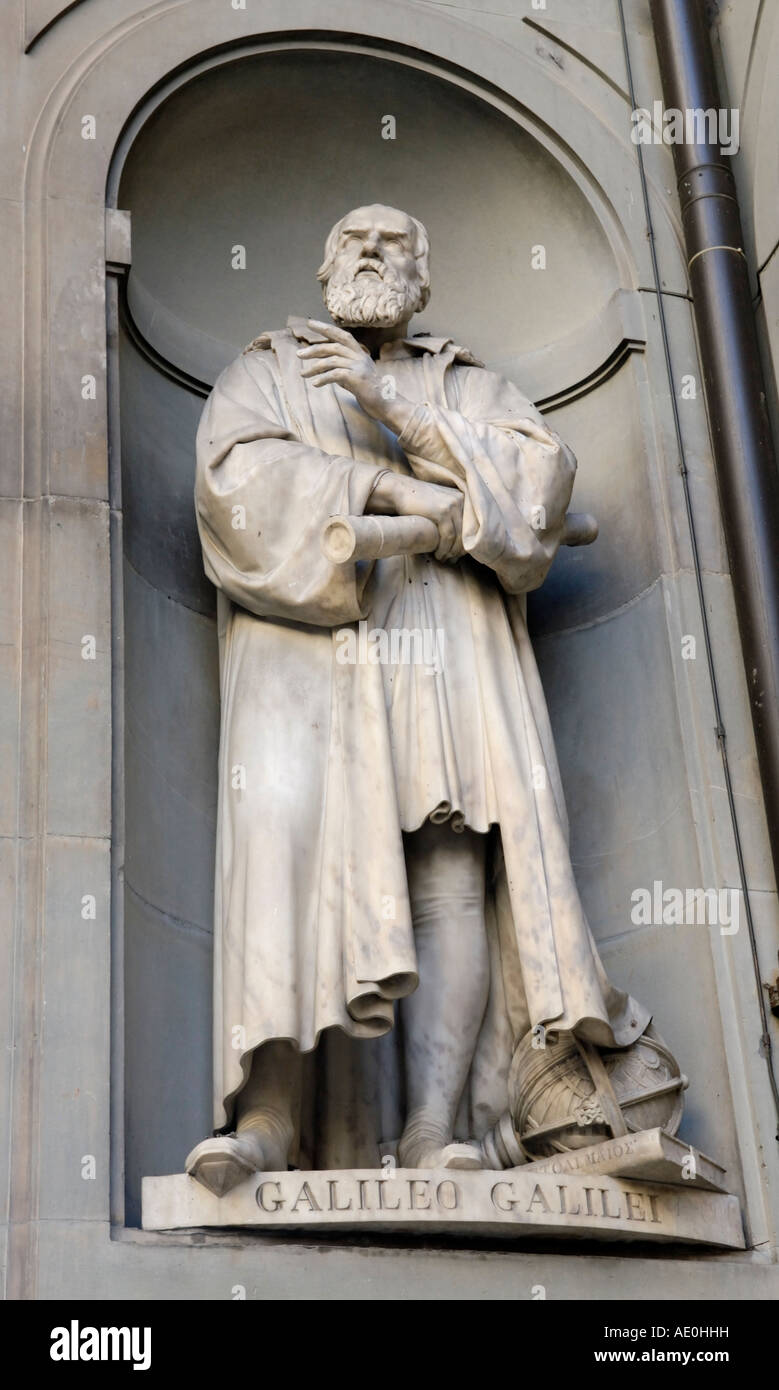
(392, 840)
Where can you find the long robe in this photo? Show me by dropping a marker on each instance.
(325, 762)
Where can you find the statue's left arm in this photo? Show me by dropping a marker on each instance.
(516, 475)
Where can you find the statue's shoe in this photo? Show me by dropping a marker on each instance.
(465, 1157)
(221, 1164)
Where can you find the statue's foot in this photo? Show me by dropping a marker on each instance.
(221, 1164)
(460, 1156)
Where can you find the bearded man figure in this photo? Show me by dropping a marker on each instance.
(391, 839)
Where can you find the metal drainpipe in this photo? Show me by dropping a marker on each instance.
(744, 458)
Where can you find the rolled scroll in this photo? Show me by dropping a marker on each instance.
(346, 538)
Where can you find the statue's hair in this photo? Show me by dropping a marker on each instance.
(421, 250)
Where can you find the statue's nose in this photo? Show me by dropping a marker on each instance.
(370, 245)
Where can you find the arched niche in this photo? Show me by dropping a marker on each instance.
(263, 152)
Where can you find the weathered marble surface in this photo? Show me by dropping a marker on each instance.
(342, 897)
(518, 1201)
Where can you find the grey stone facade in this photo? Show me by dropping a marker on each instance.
(108, 782)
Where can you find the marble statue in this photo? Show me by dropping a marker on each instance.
(392, 857)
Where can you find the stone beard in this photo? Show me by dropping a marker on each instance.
(381, 298)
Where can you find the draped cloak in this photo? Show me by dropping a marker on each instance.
(325, 762)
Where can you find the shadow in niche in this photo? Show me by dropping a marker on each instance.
(171, 745)
(242, 158)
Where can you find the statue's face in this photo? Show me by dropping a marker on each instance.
(374, 281)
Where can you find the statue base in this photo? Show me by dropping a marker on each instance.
(516, 1202)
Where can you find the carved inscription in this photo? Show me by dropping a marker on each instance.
(298, 1197)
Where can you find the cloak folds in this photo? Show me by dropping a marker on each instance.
(312, 922)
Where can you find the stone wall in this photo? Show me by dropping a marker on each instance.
(207, 131)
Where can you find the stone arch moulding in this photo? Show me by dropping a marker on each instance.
(582, 359)
(131, 69)
(169, 49)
